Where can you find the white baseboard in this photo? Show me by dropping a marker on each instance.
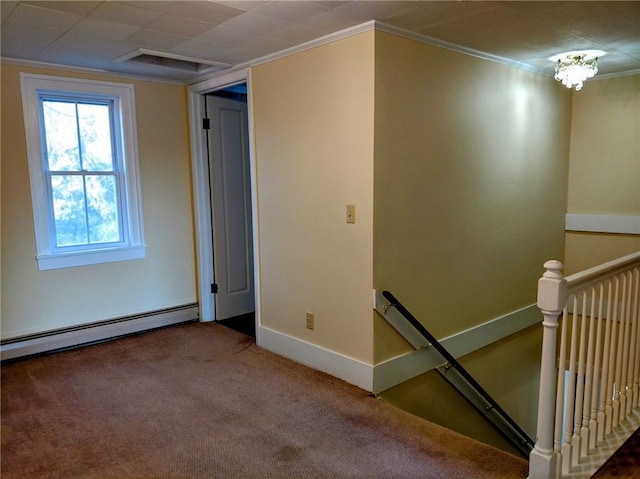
(338, 365)
(409, 365)
(401, 368)
(89, 333)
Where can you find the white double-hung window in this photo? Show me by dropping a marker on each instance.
(83, 167)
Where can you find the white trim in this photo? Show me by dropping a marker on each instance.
(615, 224)
(255, 217)
(201, 194)
(224, 79)
(608, 76)
(85, 258)
(401, 368)
(383, 27)
(77, 336)
(201, 207)
(338, 365)
(365, 27)
(123, 95)
(330, 38)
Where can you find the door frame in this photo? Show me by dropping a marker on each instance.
(201, 191)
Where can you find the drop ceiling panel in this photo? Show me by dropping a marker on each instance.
(77, 8)
(124, 13)
(255, 24)
(291, 12)
(184, 27)
(152, 40)
(30, 39)
(90, 28)
(208, 12)
(224, 36)
(36, 16)
(428, 14)
(90, 33)
(196, 49)
(295, 33)
(6, 9)
(162, 6)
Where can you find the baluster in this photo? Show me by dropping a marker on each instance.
(593, 424)
(562, 361)
(588, 431)
(571, 449)
(612, 400)
(634, 363)
(605, 396)
(618, 387)
(636, 322)
(624, 381)
(580, 430)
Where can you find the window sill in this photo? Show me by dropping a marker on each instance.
(85, 258)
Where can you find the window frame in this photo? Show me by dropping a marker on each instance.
(48, 255)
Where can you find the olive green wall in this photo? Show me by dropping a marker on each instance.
(604, 169)
(470, 183)
(35, 301)
(470, 188)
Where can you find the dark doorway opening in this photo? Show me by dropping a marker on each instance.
(245, 324)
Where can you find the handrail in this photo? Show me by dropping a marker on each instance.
(590, 365)
(600, 272)
(516, 434)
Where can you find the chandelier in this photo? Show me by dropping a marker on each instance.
(574, 68)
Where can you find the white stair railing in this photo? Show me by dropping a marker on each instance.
(589, 377)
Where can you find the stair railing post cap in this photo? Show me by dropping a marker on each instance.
(553, 269)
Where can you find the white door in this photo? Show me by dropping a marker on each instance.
(230, 206)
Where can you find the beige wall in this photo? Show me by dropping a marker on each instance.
(471, 161)
(470, 183)
(430, 396)
(35, 301)
(313, 118)
(604, 170)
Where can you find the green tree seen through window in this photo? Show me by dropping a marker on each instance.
(82, 172)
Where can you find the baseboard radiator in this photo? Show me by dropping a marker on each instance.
(86, 334)
(589, 400)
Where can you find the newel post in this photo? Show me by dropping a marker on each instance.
(544, 462)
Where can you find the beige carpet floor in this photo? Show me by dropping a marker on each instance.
(203, 401)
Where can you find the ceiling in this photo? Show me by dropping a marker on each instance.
(95, 34)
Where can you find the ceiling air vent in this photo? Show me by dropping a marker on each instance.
(169, 60)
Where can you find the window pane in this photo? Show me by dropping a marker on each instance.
(95, 135)
(61, 134)
(102, 209)
(69, 210)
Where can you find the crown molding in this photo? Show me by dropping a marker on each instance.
(365, 27)
(87, 70)
(330, 38)
(383, 27)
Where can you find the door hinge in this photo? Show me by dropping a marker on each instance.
(214, 288)
(206, 124)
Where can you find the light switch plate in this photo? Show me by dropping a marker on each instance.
(351, 213)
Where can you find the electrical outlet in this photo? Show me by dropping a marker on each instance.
(311, 321)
